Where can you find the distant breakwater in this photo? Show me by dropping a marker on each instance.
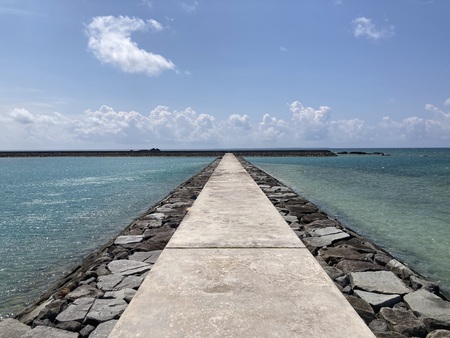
(168, 153)
(391, 298)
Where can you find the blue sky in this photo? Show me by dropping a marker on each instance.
(109, 74)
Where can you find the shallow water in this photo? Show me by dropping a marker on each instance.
(400, 202)
(55, 211)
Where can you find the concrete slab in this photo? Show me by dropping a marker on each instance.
(239, 293)
(232, 211)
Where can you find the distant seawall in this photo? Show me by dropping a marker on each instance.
(168, 153)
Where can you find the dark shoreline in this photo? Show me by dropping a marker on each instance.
(341, 258)
(164, 153)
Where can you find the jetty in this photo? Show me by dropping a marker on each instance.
(234, 268)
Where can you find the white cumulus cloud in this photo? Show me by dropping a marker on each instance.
(110, 42)
(162, 127)
(364, 27)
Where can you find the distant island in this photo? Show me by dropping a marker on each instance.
(361, 153)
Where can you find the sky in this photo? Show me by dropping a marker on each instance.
(214, 74)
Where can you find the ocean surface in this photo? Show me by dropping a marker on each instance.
(400, 202)
(55, 211)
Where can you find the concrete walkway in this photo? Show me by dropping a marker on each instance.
(234, 268)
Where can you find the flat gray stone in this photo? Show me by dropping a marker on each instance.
(148, 223)
(378, 300)
(290, 218)
(322, 241)
(153, 257)
(156, 215)
(12, 328)
(429, 305)
(106, 309)
(349, 266)
(378, 281)
(140, 256)
(76, 311)
(84, 291)
(109, 282)
(323, 231)
(130, 282)
(103, 330)
(128, 267)
(122, 240)
(49, 332)
(125, 294)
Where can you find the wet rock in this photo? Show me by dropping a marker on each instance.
(127, 267)
(49, 332)
(403, 321)
(429, 305)
(12, 328)
(334, 255)
(106, 309)
(378, 300)
(84, 291)
(109, 282)
(378, 281)
(77, 311)
(364, 310)
(349, 266)
(399, 269)
(104, 329)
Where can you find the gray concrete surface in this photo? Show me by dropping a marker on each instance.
(234, 268)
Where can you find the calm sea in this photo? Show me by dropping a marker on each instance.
(400, 202)
(55, 211)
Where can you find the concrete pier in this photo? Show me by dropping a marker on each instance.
(234, 268)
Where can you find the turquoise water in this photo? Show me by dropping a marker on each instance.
(401, 202)
(55, 211)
